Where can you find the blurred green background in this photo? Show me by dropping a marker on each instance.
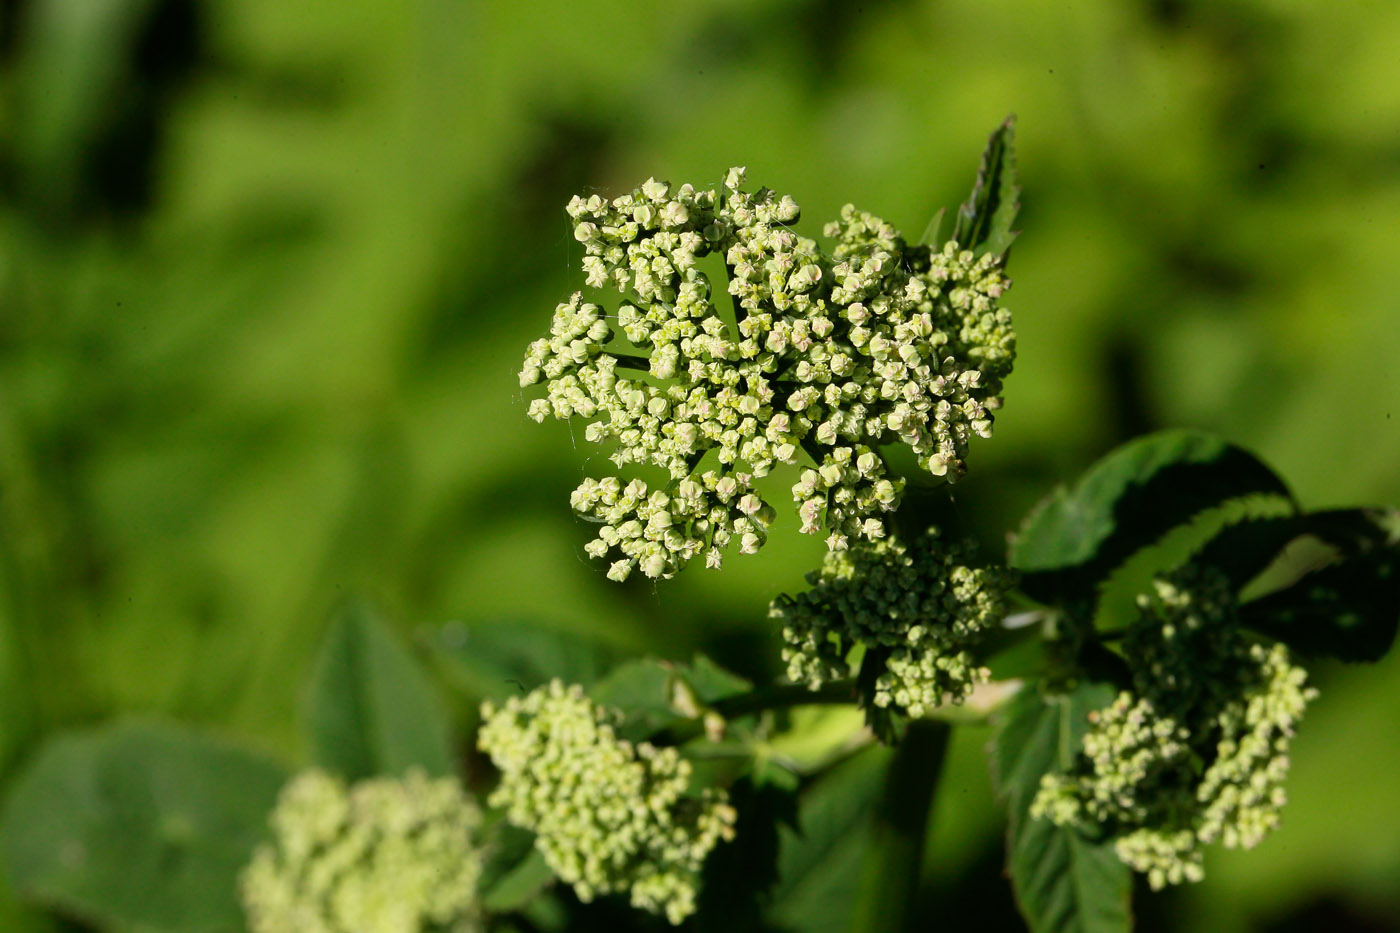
(268, 269)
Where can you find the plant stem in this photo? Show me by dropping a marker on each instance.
(785, 696)
(889, 885)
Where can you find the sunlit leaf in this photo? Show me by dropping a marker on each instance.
(1075, 538)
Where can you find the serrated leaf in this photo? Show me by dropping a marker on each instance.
(1348, 610)
(1245, 549)
(984, 221)
(1064, 883)
(503, 659)
(371, 709)
(138, 825)
(1075, 538)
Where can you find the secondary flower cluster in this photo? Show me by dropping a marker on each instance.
(383, 856)
(834, 356)
(1197, 752)
(924, 607)
(609, 815)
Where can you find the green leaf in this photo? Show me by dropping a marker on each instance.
(520, 885)
(138, 824)
(1074, 539)
(740, 875)
(819, 863)
(1064, 883)
(984, 220)
(710, 682)
(371, 709)
(1348, 610)
(935, 226)
(1245, 549)
(503, 659)
(643, 691)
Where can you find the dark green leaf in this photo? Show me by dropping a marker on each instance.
(505, 659)
(1075, 538)
(138, 824)
(819, 863)
(1064, 883)
(888, 893)
(1348, 610)
(1246, 549)
(739, 876)
(985, 219)
(371, 709)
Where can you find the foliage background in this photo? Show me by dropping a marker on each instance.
(268, 269)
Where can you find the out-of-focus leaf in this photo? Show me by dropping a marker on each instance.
(1348, 610)
(506, 659)
(643, 691)
(984, 220)
(371, 709)
(819, 862)
(710, 682)
(520, 885)
(935, 226)
(1074, 538)
(138, 825)
(1064, 883)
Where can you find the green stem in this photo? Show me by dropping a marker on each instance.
(889, 886)
(785, 696)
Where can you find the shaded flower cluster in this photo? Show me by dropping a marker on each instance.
(381, 856)
(925, 608)
(609, 815)
(827, 356)
(1197, 751)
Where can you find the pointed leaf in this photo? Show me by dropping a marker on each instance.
(138, 825)
(935, 226)
(371, 709)
(984, 220)
(1064, 883)
(1076, 537)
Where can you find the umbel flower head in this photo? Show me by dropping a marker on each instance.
(382, 856)
(1197, 751)
(827, 356)
(926, 607)
(608, 815)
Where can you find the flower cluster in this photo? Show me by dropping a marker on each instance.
(1197, 751)
(609, 815)
(827, 356)
(924, 608)
(383, 856)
